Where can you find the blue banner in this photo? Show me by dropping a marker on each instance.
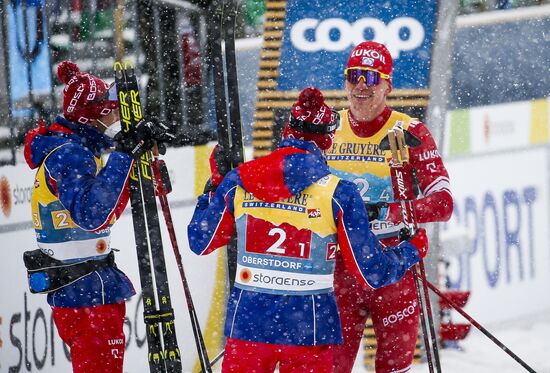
(320, 34)
(31, 48)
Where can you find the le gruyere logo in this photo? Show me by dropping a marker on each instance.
(297, 202)
(5, 196)
(349, 151)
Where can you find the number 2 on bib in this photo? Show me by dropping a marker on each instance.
(264, 237)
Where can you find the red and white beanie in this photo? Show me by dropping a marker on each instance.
(373, 55)
(310, 112)
(85, 97)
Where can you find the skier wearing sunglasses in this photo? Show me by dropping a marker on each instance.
(355, 156)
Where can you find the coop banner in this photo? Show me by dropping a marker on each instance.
(319, 36)
(501, 201)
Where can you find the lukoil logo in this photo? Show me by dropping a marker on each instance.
(351, 34)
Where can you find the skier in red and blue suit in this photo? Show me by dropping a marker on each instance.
(75, 200)
(291, 216)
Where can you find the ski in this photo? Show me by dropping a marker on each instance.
(226, 94)
(163, 186)
(163, 352)
(235, 124)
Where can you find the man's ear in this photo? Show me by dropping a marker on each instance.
(389, 88)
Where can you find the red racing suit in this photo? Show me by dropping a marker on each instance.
(356, 156)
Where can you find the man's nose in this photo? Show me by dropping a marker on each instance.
(362, 83)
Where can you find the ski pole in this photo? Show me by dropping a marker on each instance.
(477, 325)
(215, 360)
(400, 172)
(163, 187)
(409, 204)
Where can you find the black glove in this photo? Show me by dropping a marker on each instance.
(144, 136)
(373, 209)
(419, 240)
(135, 142)
(158, 131)
(405, 234)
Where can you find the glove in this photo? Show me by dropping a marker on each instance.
(376, 210)
(218, 166)
(384, 211)
(158, 131)
(135, 142)
(419, 240)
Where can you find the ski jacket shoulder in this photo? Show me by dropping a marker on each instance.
(70, 154)
(286, 171)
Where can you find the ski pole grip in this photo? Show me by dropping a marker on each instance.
(402, 182)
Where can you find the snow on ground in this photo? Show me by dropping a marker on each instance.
(529, 340)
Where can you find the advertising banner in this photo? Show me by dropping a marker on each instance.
(319, 36)
(500, 127)
(501, 200)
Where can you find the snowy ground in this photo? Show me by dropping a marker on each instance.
(530, 340)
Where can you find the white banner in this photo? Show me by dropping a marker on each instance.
(502, 202)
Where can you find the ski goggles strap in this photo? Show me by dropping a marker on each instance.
(370, 76)
(315, 128)
(108, 95)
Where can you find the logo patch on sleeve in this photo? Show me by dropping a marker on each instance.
(313, 213)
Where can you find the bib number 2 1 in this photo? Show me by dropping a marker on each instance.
(263, 237)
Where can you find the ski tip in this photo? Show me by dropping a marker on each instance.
(118, 70)
(129, 67)
(126, 67)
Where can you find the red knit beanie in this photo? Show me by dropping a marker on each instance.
(311, 109)
(85, 97)
(371, 54)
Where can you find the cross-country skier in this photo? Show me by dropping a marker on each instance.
(355, 156)
(75, 200)
(291, 215)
